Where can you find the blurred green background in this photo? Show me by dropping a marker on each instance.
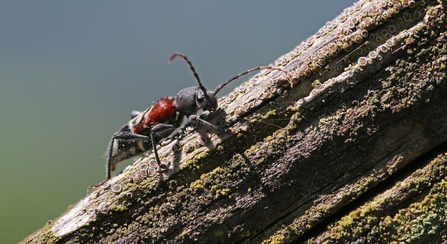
(72, 71)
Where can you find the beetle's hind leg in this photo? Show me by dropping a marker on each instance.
(124, 136)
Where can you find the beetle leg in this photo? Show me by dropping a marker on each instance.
(121, 135)
(160, 129)
(194, 118)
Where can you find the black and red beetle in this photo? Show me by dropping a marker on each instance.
(147, 128)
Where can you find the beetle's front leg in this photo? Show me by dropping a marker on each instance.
(195, 119)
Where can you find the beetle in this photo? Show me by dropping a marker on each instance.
(147, 128)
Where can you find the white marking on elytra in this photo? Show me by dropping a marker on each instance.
(141, 146)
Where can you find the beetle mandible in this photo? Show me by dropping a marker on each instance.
(147, 128)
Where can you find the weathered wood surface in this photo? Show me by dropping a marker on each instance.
(354, 152)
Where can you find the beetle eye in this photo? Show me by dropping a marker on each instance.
(200, 97)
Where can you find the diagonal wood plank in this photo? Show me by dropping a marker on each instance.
(312, 154)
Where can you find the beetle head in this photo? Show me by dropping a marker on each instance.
(206, 100)
(192, 99)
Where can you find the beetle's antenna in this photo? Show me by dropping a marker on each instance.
(192, 68)
(218, 88)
